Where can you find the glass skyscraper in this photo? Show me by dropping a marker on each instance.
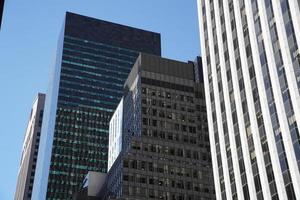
(251, 62)
(93, 60)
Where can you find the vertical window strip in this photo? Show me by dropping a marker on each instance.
(202, 10)
(257, 104)
(234, 61)
(225, 180)
(245, 104)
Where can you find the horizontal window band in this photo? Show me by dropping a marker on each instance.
(165, 84)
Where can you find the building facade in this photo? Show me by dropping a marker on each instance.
(252, 80)
(30, 150)
(165, 151)
(93, 60)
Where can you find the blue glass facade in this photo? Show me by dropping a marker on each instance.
(94, 59)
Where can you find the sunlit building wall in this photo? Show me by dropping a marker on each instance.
(250, 52)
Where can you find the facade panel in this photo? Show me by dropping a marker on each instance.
(115, 135)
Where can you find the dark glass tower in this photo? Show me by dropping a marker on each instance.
(94, 58)
(1, 10)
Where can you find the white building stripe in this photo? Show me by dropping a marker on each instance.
(264, 103)
(295, 15)
(277, 94)
(217, 104)
(293, 88)
(237, 98)
(235, 162)
(208, 106)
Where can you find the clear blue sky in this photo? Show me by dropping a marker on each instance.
(28, 39)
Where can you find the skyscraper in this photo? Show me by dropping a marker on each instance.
(94, 58)
(1, 11)
(159, 145)
(252, 80)
(30, 150)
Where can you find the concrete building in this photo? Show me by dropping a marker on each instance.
(30, 150)
(252, 80)
(165, 151)
(94, 58)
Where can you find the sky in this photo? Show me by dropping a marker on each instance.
(28, 39)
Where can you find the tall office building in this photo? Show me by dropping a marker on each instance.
(158, 135)
(30, 150)
(252, 80)
(93, 60)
